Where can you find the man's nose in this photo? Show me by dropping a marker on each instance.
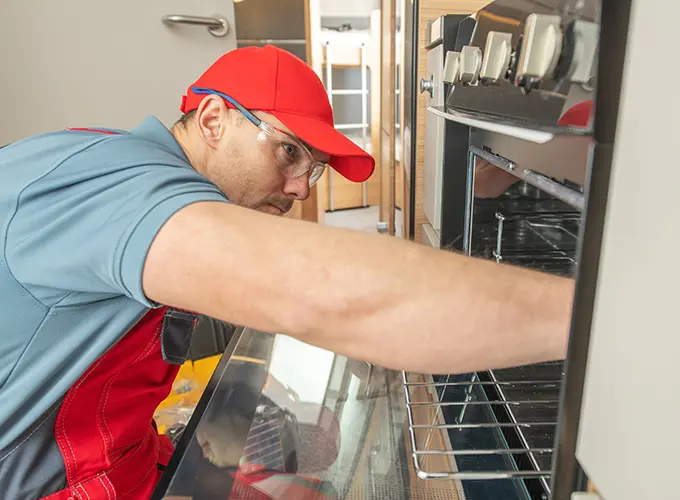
(297, 187)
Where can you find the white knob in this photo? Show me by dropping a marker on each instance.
(541, 47)
(586, 35)
(451, 67)
(497, 52)
(470, 64)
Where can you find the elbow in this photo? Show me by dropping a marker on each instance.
(333, 320)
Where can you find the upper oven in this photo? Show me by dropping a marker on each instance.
(509, 144)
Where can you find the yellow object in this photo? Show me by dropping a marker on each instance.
(191, 381)
(187, 389)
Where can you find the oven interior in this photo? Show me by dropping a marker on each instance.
(501, 424)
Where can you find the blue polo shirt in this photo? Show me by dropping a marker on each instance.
(78, 212)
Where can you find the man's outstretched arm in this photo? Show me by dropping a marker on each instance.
(391, 302)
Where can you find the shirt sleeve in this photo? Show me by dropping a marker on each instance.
(86, 226)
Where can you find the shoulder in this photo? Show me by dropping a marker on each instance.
(98, 162)
(125, 149)
(43, 154)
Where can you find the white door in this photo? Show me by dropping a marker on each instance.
(84, 63)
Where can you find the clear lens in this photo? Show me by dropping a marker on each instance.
(316, 172)
(292, 158)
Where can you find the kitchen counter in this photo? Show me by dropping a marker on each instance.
(283, 419)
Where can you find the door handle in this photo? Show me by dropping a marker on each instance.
(216, 25)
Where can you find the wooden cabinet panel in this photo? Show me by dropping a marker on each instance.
(388, 95)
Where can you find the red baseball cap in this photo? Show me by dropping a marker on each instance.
(275, 81)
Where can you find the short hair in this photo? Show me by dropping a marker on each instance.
(186, 118)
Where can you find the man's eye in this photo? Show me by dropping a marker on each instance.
(290, 150)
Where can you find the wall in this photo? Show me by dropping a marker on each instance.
(348, 8)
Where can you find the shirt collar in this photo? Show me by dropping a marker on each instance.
(153, 129)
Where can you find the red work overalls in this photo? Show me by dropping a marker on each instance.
(105, 428)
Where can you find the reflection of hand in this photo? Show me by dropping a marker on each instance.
(491, 181)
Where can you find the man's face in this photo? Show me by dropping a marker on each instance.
(246, 165)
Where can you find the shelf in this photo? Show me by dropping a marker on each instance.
(501, 424)
(545, 240)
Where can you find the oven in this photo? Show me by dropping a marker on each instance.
(532, 168)
(509, 145)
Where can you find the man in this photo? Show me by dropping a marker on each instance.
(104, 229)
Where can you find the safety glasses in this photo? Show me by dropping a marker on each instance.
(290, 156)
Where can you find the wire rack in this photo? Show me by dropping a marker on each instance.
(499, 424)
(531, 407)
(545, 240)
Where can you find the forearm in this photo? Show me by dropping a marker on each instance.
(406, 306)
(391, 302)
(451, 314)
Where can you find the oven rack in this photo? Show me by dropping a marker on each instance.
(519, 405)
(549, 232)
(546, 241)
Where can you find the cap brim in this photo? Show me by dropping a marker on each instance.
(347, 158)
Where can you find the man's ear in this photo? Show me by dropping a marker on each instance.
(211, 119)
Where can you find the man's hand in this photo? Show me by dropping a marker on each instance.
(388, 301)
(491, 181)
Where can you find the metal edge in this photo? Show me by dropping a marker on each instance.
(490, 124)
(568, 476)
(536, 179)
(414, 117)
(456, 176)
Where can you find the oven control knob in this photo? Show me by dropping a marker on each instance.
(451, 67)
(496, 60)
(585, 36)
(426, 86)
(541, 48)
(470, 64)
